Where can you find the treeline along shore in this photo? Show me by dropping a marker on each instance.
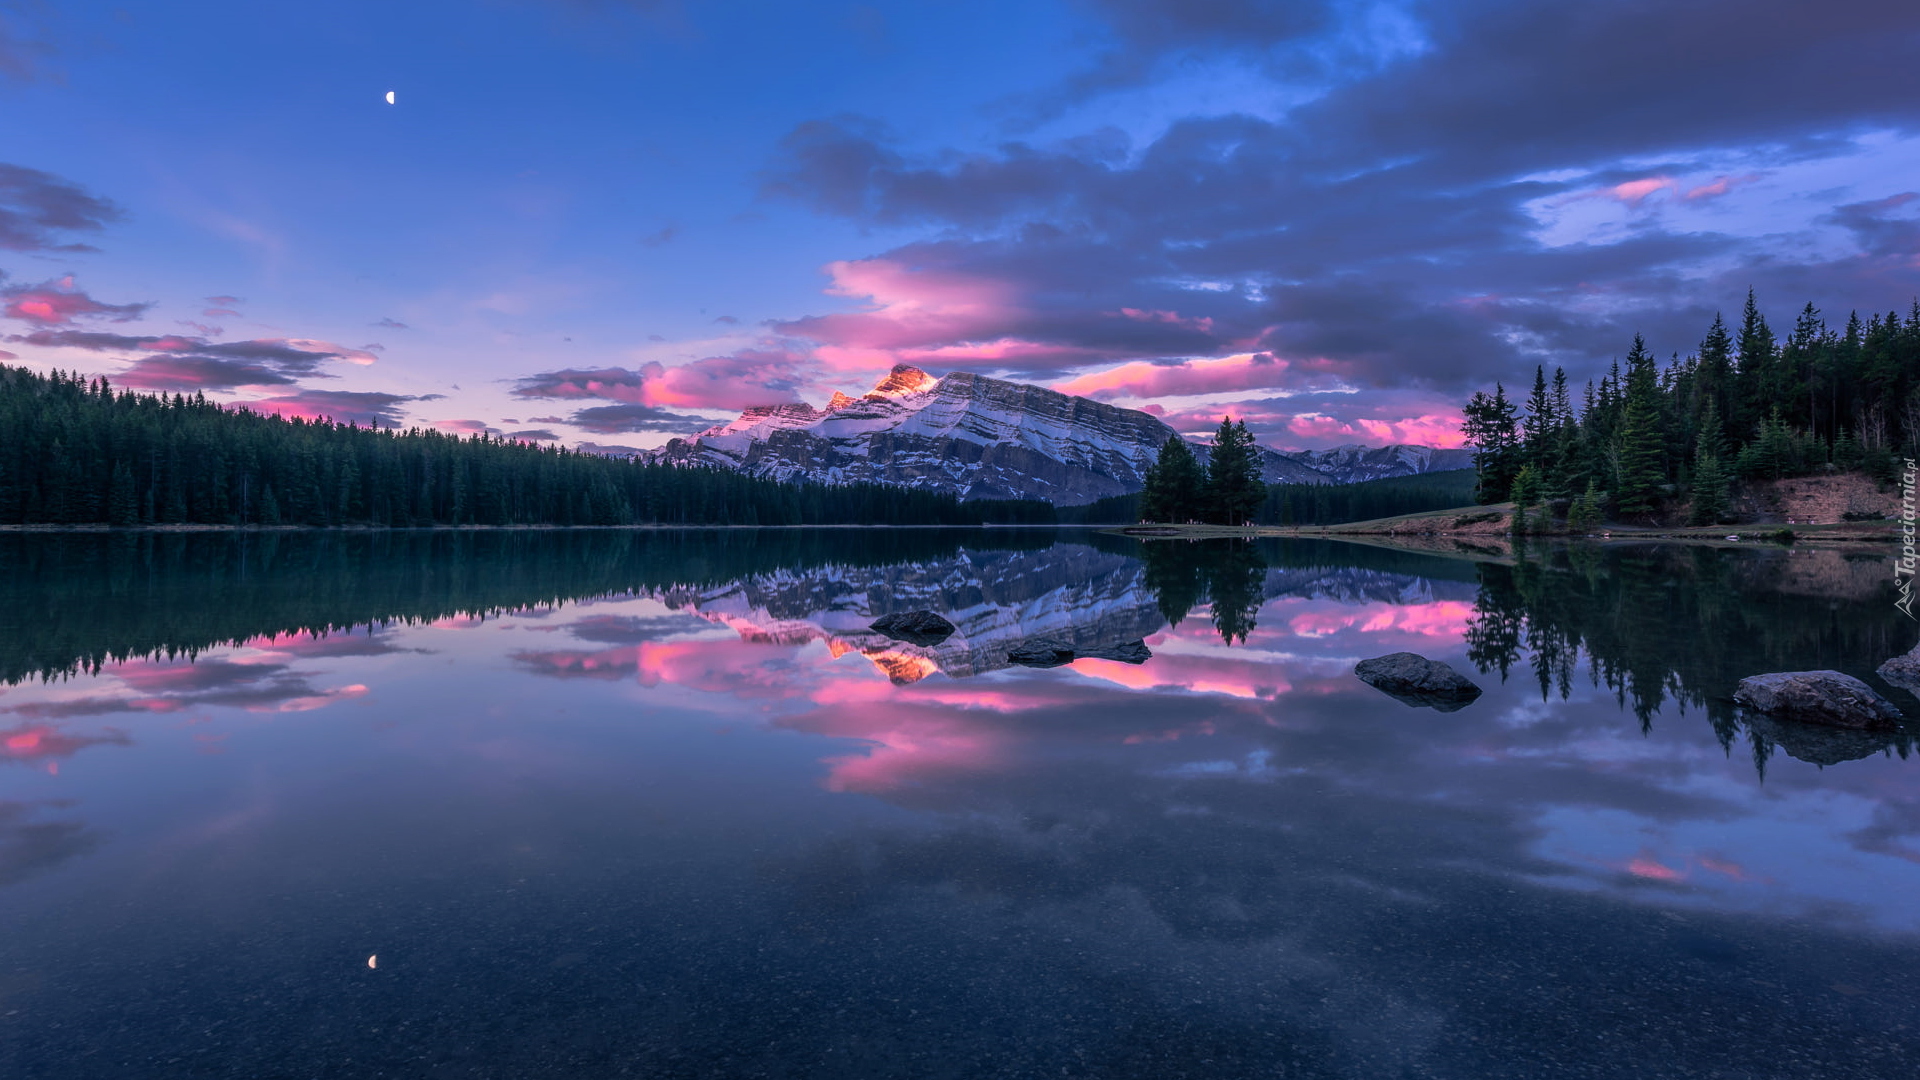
(75, 451)
(1671, 443)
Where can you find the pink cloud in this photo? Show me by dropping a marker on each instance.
(1719, 186)
(1144, 380)
(60, 302)
(753, 376)
(1634, 192)
(1431, 429)
(748, 377)
(340, 406)
(1644, 865)
(41, 743)
(911, 308)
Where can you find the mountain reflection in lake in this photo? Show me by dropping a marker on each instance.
(659, 804)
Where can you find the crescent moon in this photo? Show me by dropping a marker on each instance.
(371, 960)
(389, 97)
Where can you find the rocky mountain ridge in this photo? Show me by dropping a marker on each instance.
(985, 438)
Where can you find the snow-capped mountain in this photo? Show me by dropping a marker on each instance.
(1353, 463)
(983, 438)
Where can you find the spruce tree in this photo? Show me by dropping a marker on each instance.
(1526, 491)
(1560, 478)
(1234, 490)
(1709, 489)
(1489, 427)
(1584, 514)
(1174, 484)
(1641, 442)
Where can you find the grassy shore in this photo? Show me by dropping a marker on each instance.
(1494, 523)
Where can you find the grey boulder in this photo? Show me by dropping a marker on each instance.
(917, 627)
(1818, 697)
(1414, 680)
(1041, 652)
(1903, 671)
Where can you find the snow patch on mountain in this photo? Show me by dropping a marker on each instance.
(984, 438)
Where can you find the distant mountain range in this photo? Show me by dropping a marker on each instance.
(983, 438)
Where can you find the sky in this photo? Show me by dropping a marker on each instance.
(610, 222)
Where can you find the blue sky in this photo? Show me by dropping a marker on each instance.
(1334, 218)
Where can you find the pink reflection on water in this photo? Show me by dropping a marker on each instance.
(1439, 620)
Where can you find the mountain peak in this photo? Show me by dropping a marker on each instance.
(904, 379)
(839, 401)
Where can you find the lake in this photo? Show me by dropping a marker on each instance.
(657, 803)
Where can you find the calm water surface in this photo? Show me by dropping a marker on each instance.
(657, 804)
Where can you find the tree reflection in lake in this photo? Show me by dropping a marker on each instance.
(1662, 624)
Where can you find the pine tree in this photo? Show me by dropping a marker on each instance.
(1709, 489)
(1641, 442)
(1536, 430)
(1174, 484)
(1584, 514)
(1526, 492)
(1489, 427)
(1754, 379)
(1234, 490)
(1560, 478)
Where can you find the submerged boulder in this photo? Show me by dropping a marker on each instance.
(1903, 671)
(1818, 744)
(917, 627)
(1414, 680)
(1041, 652)
(1818, 697)
(1127, 652)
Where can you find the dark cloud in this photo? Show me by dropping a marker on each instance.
(37, 209)
(179, 362)
(753, 376)
(198, 373)
(616, 384)
(661, 238)
(1387, 227)
(340, 406)
(1879, 226)
(534, 435)
(391, 324)
(107, 341)
(621, 419)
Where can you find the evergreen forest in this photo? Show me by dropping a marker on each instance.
(1743, 405)
(75, 451)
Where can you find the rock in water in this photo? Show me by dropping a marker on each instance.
(1041, 652)
(1414, 680)
(917, 627)
(1129, 652)
(1818, 744)
(1903, 671)
(1818, 697)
